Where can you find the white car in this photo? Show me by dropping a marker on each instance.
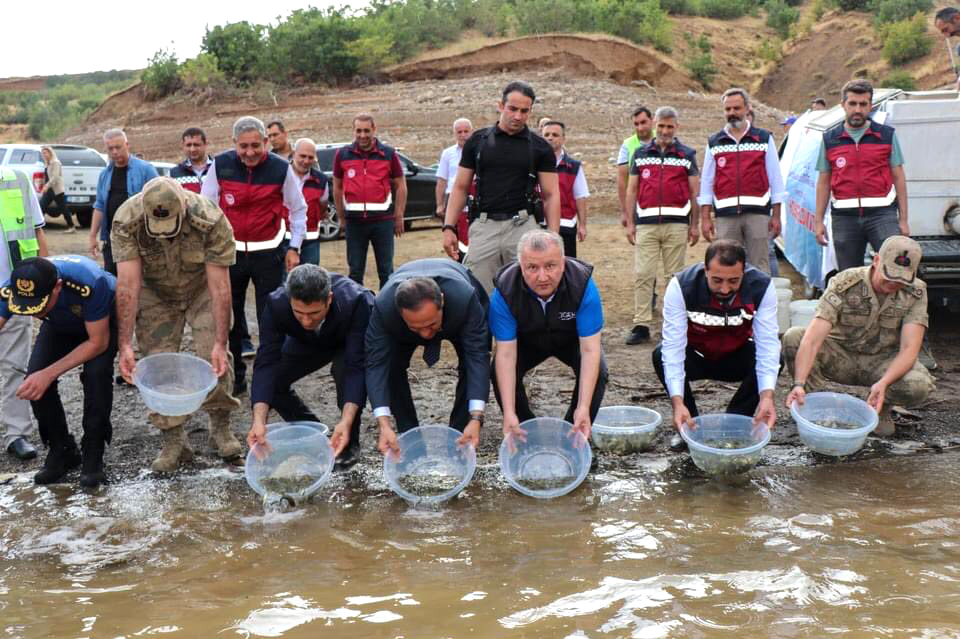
(81, 168)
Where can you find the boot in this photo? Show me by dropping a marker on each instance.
(91, 471)
(176, 450)
(221, 437)
(63, 456)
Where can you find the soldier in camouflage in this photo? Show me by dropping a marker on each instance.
(867, 331)
(174, 249)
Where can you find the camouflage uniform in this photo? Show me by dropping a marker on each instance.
(175, 289)
(865, 336)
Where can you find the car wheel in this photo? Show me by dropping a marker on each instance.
(330, 226)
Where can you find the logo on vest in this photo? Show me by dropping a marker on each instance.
(351, 173)
(841, 162)
(645, 174)
(230, 199)
(566, 316)
(721, 161)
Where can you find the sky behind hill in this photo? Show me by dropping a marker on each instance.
(100, 35)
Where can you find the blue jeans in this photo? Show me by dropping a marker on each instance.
(852, 232)
(380, 235)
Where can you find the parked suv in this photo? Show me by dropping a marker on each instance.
(421, 190)
(81, 168)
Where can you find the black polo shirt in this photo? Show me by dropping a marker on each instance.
(504, 167)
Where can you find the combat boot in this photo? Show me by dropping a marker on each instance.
(91, 471)
(176, 451)
(63, 456)
(221, 437)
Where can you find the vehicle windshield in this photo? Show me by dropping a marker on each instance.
(79, 157)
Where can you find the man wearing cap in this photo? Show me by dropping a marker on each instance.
(174, 250)
(74, 297)
(867, 331)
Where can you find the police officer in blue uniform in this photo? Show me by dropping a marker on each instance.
(74, 298)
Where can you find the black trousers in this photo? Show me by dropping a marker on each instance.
(401, 400)
(265, 269)
(108, 264)
(529, 358)
(96, 377)
(739, 366)
(49, 198)
(297, 364)
(569, 237)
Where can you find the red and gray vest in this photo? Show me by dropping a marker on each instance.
(252, 199)
(185, 176)
(663, 183)
(860, 177)
(740, 184)
(715, 330)
(367, 181)
(567, 171)
(314, 191)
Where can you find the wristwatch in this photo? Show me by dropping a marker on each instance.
(477, 418)
(449, 227)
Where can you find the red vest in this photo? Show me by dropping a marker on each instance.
(185, 177)
(252, 199)
(366, 180)
(860, 177)
(712, 329)
(315, 193)
(567, 174)
(740, 184)
(663, 183)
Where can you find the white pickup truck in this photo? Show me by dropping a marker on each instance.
(81, 168)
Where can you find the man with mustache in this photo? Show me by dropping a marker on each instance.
(861, 175)
(741, 179)
(720, 323)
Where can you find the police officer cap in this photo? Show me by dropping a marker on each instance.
(30, 286)
(899, 259)
(163, 206)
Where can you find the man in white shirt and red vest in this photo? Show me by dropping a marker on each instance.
(189, 173)
(316, 192)
(447, 173)
(741, 181)
(861, 174)
(573, 188)
(255, 189)
(663, 185)
(370, 191)
(720, 323)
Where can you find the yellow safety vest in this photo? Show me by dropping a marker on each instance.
(18, 232)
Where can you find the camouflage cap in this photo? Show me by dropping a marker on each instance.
(163, 207)
(899, 259)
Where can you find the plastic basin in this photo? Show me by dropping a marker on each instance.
(296, 463)
(552, 461)
(713, 433)
(819, 408)
(625, 429)
(174, 384)
(431, 467)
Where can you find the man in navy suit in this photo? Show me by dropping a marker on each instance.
(314, 319)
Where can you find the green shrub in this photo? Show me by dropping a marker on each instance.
(851, 5)
(238, 47)
(770, 50)
(642, 21)
(899, 80)
(311, 45)
(780, 16)
(680, 7)
(887, 11)
(162, 75)
(906, 40)
(725, 9)
(699, 60)
(202, 73)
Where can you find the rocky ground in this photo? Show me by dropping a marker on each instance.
(928, 428)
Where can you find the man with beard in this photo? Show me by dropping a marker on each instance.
(947, 22)
(861, 174)
(643, 134)
(720, 323)
(741, 179)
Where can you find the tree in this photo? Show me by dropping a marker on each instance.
(238, 47)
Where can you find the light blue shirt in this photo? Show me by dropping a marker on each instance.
(139, 172)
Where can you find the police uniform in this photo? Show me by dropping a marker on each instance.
(865, 336)
(175, 290)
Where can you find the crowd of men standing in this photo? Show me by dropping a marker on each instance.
(183, 250)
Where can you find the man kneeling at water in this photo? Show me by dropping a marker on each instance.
(867, 331)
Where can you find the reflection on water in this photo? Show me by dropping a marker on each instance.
(867, 549)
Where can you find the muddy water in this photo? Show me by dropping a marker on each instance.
(866, 549)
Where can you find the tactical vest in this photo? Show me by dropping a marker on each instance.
(16, 223)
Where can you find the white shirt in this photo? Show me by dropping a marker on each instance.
(772, 163)
(447, 169)
(674, 332)
(32, 206)
(292, 199)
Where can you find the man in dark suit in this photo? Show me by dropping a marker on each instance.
(425, 302)
(314, 319)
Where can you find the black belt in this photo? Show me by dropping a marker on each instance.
(500, 217)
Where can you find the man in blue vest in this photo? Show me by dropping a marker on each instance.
(313, 320)
(547, 305)
(21, 223)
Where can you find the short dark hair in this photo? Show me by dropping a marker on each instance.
(308, 283)
(819, 101)
(642, 109)
(729, 252)
(412, 293)
(856, 86)
(947, 14)
(278, 124)
(192, 132)
(520, 87)
(364, 117)
(555, 123)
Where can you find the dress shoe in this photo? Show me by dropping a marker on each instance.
(91, 470)
(677, 443)
(22, 449)
(246, 349)
(638, 335)
(62, 457)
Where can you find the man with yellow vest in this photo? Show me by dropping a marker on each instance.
(21, 223)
